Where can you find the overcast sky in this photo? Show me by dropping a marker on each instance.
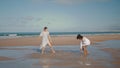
(59, 15)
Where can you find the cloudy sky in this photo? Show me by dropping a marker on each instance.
(59, 15)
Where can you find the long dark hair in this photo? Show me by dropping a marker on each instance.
(79, 36)
(45, 28)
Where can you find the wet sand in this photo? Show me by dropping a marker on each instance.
(57, 40)
(25, 53)
(115, 53)
(2, 58)
(101, 55)
(65, 57)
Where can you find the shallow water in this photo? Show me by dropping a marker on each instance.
(110, 44)
(66, 56)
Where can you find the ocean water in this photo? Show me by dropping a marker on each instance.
(26, 34)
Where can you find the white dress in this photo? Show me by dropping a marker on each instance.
(85, 42)
(45, 39)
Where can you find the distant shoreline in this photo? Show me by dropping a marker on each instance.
(54, 33)
(57, 40)
(6, 35)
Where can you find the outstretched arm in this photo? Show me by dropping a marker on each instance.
(41, 34)
(80, 45)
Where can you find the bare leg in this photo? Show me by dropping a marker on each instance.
(50, 45)
(85, 50)
(52, 50)
(43, 49)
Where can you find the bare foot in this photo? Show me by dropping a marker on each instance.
(53, 53)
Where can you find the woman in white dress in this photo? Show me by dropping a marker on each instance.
(46, 40)
(84, 42)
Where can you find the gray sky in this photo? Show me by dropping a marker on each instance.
(59, 15)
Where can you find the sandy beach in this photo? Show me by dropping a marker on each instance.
(22, 22)
(57, 40)
(115, 54)
(24, 52)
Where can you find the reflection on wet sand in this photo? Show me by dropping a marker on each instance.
(45, 63)
(84, 60)
(65, 57)
(62, 59)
